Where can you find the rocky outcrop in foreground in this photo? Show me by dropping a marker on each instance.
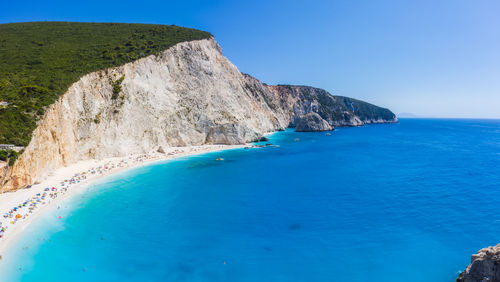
(312, 122)
(190, 94)
(484, 266)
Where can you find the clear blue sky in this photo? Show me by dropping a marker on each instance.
(428, 57)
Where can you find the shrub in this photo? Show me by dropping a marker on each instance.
(97, 119)
(33, 91)
(9, 155)
(12, 161)
(117, 87)
(3, 155)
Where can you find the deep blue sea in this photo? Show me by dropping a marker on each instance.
(394, 202)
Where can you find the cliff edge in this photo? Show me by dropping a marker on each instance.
(297, 101)
(484, 266)
(189, 94)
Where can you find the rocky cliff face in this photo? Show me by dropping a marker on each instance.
(312, 122)
(190, 94)
(336, 110)
(484, 266)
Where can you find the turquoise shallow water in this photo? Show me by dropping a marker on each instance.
(398, 202)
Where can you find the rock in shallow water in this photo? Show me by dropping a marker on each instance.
(484, 266)
(312, 122)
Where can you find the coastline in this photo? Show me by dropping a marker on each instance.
(76, 178)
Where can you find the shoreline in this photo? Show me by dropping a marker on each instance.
(67, 182)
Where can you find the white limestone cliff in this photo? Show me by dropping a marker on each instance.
(190, 94)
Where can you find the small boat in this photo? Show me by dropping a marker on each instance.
(219, 159)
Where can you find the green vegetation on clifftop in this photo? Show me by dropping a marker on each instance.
(40, 60)
(9, 155)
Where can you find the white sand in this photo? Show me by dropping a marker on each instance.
(101, 168)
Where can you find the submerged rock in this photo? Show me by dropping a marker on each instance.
(263, 138)
(484, 266)
(313, 122)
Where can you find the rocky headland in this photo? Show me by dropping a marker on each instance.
(189, 94)
(484, 266)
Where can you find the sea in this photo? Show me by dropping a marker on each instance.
(392, 202)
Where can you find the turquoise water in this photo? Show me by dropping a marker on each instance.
(398, 202)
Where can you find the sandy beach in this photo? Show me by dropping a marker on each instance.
(18, 209)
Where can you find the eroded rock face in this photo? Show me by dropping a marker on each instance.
(297, 101)
(484, 266)
(189, 94)
(312, 122)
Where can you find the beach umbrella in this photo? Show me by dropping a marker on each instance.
(18, 216)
